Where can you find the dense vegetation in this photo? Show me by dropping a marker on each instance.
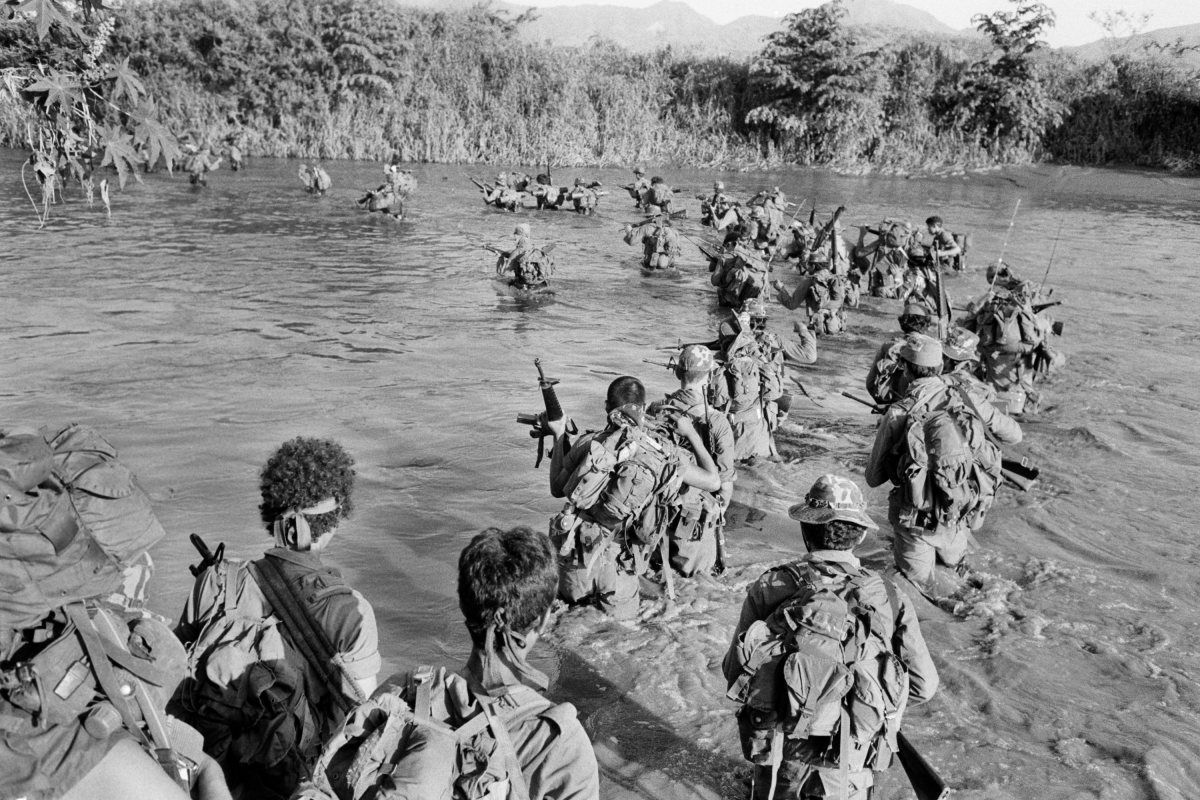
(371, 79)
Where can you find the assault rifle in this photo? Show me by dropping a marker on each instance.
(553, 413)
(1020, 473)
(1040, 307)
(826, 231)
(207, 557)
(482, 187)
(927, 784)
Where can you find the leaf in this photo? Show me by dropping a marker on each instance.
(46, 13)
(59, 89)
(154, 138)
(127, 84)
(119, 153)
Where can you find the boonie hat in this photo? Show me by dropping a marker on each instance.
(831, 498)
(639, 171)
(960, 345)
(914, 310)
(696, 358)
(719, 186)
(922, 350)
(522, 228)
(755, 307)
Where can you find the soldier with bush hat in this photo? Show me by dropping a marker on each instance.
(833, 521)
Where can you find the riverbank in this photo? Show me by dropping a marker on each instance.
(368, 79)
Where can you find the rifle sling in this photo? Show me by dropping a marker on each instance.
(305, 634)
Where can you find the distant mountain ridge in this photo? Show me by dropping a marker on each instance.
(678, 25)
(1186, 35)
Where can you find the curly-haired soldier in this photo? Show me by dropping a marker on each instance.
(280, 648)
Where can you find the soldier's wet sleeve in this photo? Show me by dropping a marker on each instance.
(198, 607)
(878, 470)
(912, 650)
(1002, 426)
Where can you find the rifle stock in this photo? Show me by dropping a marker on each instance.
(1040, 307)
(875, 409)
(927, 784)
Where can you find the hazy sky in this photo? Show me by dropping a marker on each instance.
(1073, 27)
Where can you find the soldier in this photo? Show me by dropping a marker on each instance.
(585, 196)
(281, 648)
(503, 194)
(658, 197)
(639, 188)
(602, 536)
(747, 390)
(715, 210)
(739, 276)
(660, 242)
(834, 748)
(822, 294)
(548, 196)
(931, 515)
(531, 266)
(886, 378)
(694, 525)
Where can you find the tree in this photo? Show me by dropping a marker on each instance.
(85, 113)
(1001, 101)
(820, 94)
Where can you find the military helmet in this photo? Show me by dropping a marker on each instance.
(579, 181)
(755, 307)
(522, 229)
(719, 186)
(639, 170)
(831, 498)
(696, 358)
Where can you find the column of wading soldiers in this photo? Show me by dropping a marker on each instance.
(276, 689)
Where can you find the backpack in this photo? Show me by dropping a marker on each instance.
(949, 466)
(622, 475)
(821, 668)
(739, 389)
(74, 523)
(1005, 325)
(534, 268)
(885, 385)
(660, 194)
(247, 690)
(431, 738)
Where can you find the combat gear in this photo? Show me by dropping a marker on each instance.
(432, 738)
(821, 669)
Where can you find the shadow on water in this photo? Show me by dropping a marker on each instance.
(639, 754)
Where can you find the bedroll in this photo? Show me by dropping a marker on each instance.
(430, 739)
(821, 668)
(72, 521)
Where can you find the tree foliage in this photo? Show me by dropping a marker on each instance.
(1002, 101)
(82, 111)
(820, 92)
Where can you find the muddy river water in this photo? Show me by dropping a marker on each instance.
(198, 329)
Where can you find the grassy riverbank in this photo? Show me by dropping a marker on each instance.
(370, 79)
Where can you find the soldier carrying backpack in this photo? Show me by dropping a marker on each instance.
(825, 658)
(280, 649)
(693, 526)
(85, 670)
(617, 482)
(742, 388)
(485, 732)
(938, 446)
(886, 378)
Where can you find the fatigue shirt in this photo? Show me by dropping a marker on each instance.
(556, 755)
(714, 429)
(347, 618)
(881, 466)
(776, 586)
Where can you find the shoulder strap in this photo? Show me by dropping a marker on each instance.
(305, 634)
(970, 403)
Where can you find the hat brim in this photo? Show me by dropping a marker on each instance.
(802, 512)
(958, 354)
